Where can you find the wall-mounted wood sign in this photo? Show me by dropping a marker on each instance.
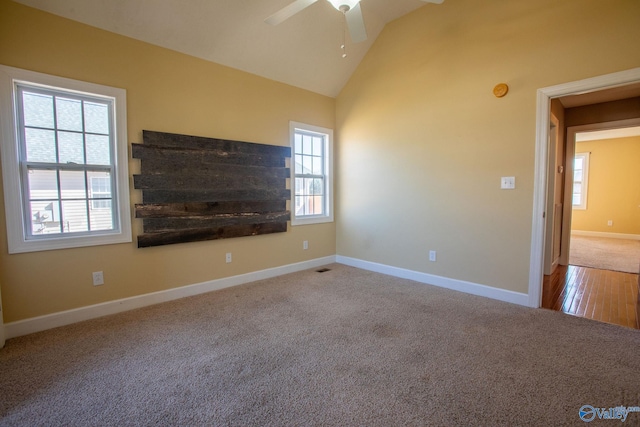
(196, 188)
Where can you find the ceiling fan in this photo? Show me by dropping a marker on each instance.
(350, 9)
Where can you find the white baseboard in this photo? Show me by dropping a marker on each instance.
(443, 282)
(49, 321)
(605, 234)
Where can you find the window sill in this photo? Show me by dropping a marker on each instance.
(311, 220)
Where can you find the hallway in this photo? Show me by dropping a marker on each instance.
(604, 295)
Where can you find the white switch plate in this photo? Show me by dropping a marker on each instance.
(508, 182)
(228, 257)
(98, 278)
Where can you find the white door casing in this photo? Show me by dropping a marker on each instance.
(544, 96)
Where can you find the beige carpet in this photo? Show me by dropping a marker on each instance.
(342, 348)
(605, 253)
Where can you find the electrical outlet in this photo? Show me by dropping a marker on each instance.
(98, 278)
(508, 182)
(610, 223)
(228, 258)
(305, 245)
(432, 256)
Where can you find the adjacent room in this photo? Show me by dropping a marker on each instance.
(298, 212)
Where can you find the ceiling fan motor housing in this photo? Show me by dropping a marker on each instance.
(344, 5)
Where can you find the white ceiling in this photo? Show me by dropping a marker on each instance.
(303, 51)
(608, 134)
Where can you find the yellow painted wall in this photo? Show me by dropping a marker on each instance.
(170, 92)
(423, 142)
(614, 187)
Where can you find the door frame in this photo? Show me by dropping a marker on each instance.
(538, 223)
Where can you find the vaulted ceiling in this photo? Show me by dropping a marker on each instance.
(303, 51)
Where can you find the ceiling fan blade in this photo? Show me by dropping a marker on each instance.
(355, 22)
(288, 11)
(434, 1)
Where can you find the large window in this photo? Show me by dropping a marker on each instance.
(312, 174)
(580, 180)
(64, 158)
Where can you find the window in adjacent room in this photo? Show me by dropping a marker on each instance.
(312, 201)
(64, 162)
(580, 180)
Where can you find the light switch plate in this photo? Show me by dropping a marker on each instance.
(508, 182)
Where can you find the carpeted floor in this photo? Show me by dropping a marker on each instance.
(605, 253)
(340, 348)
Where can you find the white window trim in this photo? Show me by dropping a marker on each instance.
(585, 181)
(13, 197)
(315, 219)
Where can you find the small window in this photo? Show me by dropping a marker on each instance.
(64, 162)
(312, 201)
(580, 180)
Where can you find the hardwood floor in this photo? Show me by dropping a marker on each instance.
(607, 296)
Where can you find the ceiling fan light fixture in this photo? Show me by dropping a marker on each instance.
(344, 5)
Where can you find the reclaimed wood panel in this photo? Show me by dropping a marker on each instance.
(182, 236)
(179, 210)
(196, 188)
(160, 159)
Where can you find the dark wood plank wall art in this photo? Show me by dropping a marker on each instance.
(196, 188)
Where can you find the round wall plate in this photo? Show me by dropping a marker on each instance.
(500, 90)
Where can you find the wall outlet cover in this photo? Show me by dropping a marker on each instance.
(98, 278)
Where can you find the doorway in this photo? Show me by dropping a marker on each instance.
(616, 86)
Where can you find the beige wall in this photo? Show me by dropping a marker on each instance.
(423, 142)
(170, 92)
(614, 187)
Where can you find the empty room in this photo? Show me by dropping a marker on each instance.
(299, 212)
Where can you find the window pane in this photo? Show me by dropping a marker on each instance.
(317, 146)
(299, 205)
(74, 216)
(38, 110)
(43, 184)
(577, 199)
(69, 114)
(306, 145)
(100, 184)
(578, 163)
(102, 219)
(308, 187)
(70, 148)
(316, 205)
(307, 165)
(317, 165)
(100, 194)
(298, 165)
(577, 176)
(318, 186)
(41, 145)
(98, 150)
(72, 185)
(96, 118)
(298, 144)
(45, 217)
(299, 186)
